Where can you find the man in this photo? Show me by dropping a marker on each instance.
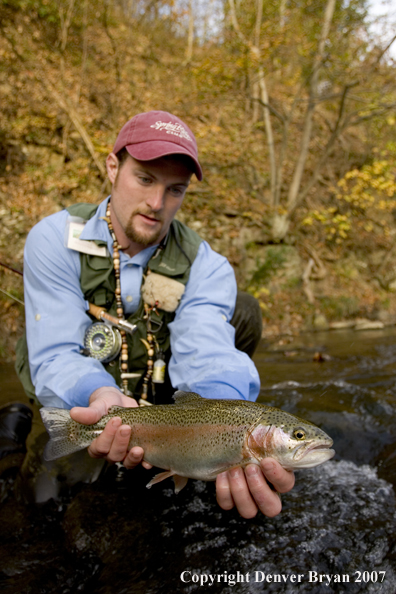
(139, 259)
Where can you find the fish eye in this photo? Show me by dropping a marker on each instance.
(299, 434)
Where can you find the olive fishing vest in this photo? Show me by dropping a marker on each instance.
(97, 279)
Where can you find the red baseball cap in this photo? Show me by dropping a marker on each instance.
(154, 134)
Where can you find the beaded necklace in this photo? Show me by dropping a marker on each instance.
(124, 357)
(120, 308)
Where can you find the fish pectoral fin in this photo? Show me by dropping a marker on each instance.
(180, 481)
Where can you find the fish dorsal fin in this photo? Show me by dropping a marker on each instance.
(181, 397)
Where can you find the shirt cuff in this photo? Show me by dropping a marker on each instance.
(237, 388)
(80, 393)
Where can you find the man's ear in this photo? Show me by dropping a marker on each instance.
(112, 166)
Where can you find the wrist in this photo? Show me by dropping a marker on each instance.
(104, 391)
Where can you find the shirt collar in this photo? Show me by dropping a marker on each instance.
(96, 229)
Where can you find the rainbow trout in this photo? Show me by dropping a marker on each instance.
(199, 438)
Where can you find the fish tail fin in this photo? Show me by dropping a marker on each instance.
(63, 441)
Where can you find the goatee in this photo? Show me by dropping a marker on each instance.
(145, 238)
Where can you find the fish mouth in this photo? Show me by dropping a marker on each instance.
(310, 455)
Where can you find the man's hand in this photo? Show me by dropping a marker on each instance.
(112, 443)
(249, 490)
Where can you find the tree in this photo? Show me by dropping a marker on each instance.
(335, 84)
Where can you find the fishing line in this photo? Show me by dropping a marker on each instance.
(5, 292)
(12, 296)
(11, 268)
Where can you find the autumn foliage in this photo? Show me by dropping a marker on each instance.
(262, 85)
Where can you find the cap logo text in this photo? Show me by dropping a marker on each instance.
(170, 128)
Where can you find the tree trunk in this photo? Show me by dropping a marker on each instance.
(190, 39)
(293, 195)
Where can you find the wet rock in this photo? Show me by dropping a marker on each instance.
(320, 322)
(386, 317)
(272, 265)
(368, 325)
(342, 325)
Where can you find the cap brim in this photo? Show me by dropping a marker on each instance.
(147, 151)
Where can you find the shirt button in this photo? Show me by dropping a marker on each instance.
(129, 298)
(37, 317)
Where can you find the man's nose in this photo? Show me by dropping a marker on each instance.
(156, 198)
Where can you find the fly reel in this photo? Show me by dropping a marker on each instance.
(102, 342)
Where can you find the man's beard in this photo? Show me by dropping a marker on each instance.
(145, 238)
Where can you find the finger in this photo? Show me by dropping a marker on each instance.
(223, 492)
(100, 446)
(119, 446)
(267, 500)
(134, 457)
(283, 480)
(241, 494)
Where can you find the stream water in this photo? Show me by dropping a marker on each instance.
(336, 533)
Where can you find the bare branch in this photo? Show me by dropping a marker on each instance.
(329, 145)
(62, 101)
(282, 11)
(66, 105)
(263, 96)
(235, 23)
(306, 283)
(259, 18)
(307, 130)
(113, 44)
(268, 127)
(377, 111)
(383, 51)
(270, 108)
(65, 23)
(190, 38)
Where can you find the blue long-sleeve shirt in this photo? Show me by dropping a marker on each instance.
(204, 358)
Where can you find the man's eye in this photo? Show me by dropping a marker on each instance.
(176, 191)
(145, 180)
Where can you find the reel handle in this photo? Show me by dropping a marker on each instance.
(101, 314)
